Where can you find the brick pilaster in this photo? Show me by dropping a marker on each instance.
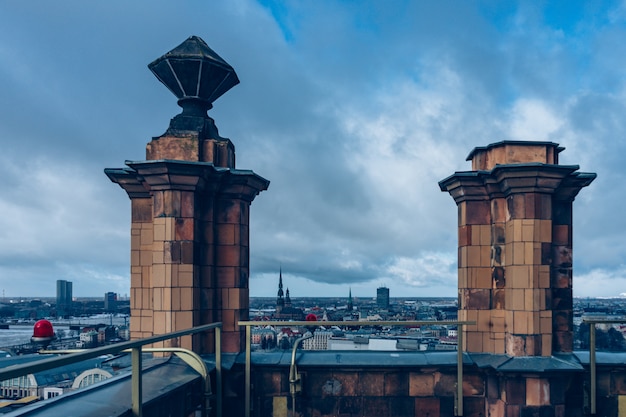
(190, 238)
(515, 248)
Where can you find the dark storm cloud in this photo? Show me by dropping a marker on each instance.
(352, 110)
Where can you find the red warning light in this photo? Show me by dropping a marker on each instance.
(42, 332)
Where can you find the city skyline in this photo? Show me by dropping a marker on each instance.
(353, 125)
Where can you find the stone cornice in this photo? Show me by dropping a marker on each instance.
(572, 185)
(167, 174)
(243, 184)
(531, 178)
(129, 181)
(466, 185)
(143, 177)
(503, 180)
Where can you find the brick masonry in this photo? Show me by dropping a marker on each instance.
(190, 221)
(515, 248)
(429, 391)
(515, 268)
(515, 282)
(190, 249)
(190, 266)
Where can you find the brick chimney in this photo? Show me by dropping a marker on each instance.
(515, 247)
(190, 212)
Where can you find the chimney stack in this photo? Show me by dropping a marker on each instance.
(190, 212)
(515, 247)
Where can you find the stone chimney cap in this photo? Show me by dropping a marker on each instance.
(514, 152)
(193, 71)
(478, 149)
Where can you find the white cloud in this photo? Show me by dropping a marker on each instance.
(430, 269)
(533, 119)
(600, 282)
(56, 218)
(353, 125)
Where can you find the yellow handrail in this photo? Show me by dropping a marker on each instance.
(592, 358)
(135, 346)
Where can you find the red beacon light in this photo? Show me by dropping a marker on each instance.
(310, 317)
(43, 333)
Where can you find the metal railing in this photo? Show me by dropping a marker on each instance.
(136, 348)
(458, 398)
(592, 358)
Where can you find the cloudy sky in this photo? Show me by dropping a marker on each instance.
(354, 110)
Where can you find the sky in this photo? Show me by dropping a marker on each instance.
(354, 110)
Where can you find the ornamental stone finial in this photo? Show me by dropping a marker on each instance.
(195, 74)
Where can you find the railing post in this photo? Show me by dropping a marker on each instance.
(137, 400)
(592, 365)
(218, 370)
(458, 404)
(134, 346)
(248, 366)
(458, 407)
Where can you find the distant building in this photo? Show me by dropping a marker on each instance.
(344, 343)
(284, 310)
(106, 334)
(350, 305)
(88, 338)
(319, 341)
(265, 337)
(64, 297)
(110, 302)
(287, 299)
(49, 383)
(123, 332)
(280, 301)
(382, 298)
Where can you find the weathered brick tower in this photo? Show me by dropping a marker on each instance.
(190, 211)
(515, 247)
(515, 266)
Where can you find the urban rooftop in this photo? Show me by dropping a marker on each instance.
(195, 350)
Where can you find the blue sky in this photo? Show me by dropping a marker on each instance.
(354, 110)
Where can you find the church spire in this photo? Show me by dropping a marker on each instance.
(287, 299)
(350, 306)
(280, 301)
(280, 283)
